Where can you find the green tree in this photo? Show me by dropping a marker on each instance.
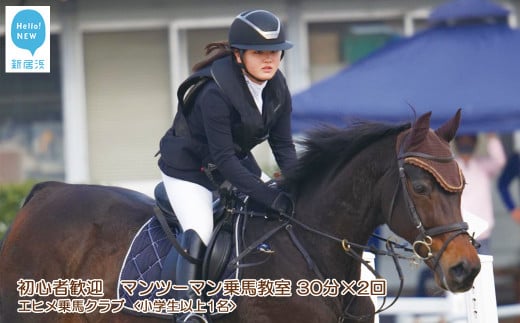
(11, 199)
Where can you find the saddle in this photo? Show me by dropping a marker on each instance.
(148, 272)
(220, 246)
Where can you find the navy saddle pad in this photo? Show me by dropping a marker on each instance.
(140, 281)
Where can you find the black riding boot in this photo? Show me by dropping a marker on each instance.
(186, 271)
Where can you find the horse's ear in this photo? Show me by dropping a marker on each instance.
(420, 129)
(448, 130)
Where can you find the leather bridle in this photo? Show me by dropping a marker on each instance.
(424, 237)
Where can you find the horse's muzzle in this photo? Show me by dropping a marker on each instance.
(462, 276)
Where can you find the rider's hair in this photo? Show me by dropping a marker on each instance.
(214, 51)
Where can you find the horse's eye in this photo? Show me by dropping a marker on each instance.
(420, 188)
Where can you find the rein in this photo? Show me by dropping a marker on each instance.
(346, 245)
(348, 248)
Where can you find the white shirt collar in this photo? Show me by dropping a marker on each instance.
(256, 91)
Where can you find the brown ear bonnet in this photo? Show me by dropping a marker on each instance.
(421, 139)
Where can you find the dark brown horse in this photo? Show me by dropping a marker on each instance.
(346, 184)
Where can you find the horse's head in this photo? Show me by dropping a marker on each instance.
(425, 208)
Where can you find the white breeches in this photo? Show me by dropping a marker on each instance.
(192, 204)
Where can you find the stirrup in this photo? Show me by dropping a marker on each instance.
(193, 316)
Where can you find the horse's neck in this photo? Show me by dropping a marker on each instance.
(346, 202)
(345, 205)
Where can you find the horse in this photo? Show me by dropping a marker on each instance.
(347, 182)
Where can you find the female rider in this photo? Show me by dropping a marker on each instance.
(235, 99)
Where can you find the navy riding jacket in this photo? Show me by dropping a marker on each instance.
(221, 124)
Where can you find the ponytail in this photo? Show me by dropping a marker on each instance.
(220, 49)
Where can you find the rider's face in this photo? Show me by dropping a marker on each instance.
(260, 64)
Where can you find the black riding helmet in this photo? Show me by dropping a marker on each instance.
(257, 30)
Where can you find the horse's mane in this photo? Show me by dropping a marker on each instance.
(329, 147)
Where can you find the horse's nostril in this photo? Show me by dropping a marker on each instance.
(460, 271)
(464, 272)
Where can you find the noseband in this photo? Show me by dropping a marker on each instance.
(424, 237)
